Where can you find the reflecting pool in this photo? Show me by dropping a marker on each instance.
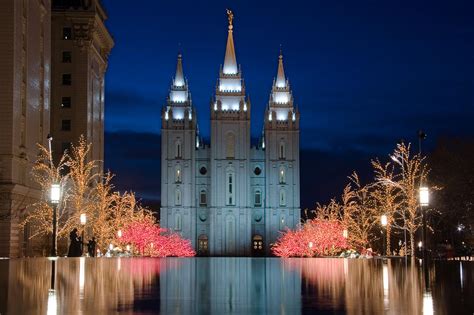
(234, 286)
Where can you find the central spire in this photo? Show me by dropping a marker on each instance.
(280, 80)
(230, 62)
(179, 77)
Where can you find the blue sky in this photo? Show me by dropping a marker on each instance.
(364, 75)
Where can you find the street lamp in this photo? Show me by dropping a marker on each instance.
(55, 196)
(383, 221)
(424, 201)
(119, 233)
(83, 220)
(345, 233)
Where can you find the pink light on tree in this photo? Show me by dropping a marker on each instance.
(150, 240)
(316, 237)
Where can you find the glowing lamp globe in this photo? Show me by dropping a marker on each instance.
(55, 193)
(424, 196)
(83, 218)
(383, 220)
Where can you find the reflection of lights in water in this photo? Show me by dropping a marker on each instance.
(82, 279)
(427, 303)
(460, 275)
(52, 307)
(346, 267)
(385, 285)
(119, 264)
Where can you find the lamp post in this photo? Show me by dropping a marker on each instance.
(83, 219)
(399, 160)
(55, 197)
(383, 221)
(345, 233)
(424, 201)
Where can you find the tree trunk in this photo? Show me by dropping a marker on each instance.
(388, 251)
(412, 243)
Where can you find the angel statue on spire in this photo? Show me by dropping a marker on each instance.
(230, 16)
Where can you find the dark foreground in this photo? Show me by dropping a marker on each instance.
(235, 285)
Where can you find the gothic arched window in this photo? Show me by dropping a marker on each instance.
(282, 197)
(258, 198)
(203, 197)
(177, 222)
(178, 175)
(230, 188)
(281, 151)
(230, 146)
(282, 175)
(178, 149)
(177, 197)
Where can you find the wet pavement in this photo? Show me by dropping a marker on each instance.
(234, 286)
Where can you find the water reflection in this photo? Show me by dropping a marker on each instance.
(234, 285)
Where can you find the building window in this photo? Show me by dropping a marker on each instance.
(257, 171)
(282, 175)
(66, 102)
(203, 197)
(67, 33)
(178, 153)
(230, 188)
(282, 222)
(258, 198)
(282, 197)
(257, 243)
(177, 222)
(66, 125)
(230, 146)
(282, 153)
(177, 197)
(67, 79)
(67, 57)
(203, 245)
(178, 174)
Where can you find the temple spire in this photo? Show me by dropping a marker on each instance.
(280, 80)
(179, 76)
(230, 62)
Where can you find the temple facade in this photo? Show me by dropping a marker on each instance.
(228, 197)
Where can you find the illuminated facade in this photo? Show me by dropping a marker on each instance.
(230, 198)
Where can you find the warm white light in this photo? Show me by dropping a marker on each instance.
(270, 116)
(263, 144)
(420, 244)
(345, 233)
(215, 106)
(167, 116)
(119, 233)
(280, 84)
(82, 278)
(83, 218)
(197, 142)
(245, 107)
(55, 193)
(424, 196)
(190, 115)
(293, 116)
(428, 304)
(230, 85)
(383, 220)
(111, 246)
(281, 97)
(52, 307)
(178, 96)
(310, 245)
(128, 248)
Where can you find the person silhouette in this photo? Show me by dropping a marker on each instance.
(75, 244)
(91, 247)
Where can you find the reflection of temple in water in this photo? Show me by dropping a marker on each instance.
(229, 285)
(233, 285)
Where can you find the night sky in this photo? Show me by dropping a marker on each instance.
(364, 75)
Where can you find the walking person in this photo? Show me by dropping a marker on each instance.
(91, 247)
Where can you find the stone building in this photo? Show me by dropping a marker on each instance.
(53, 57)
(25, 64)
(81, 45)
(229, 197)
